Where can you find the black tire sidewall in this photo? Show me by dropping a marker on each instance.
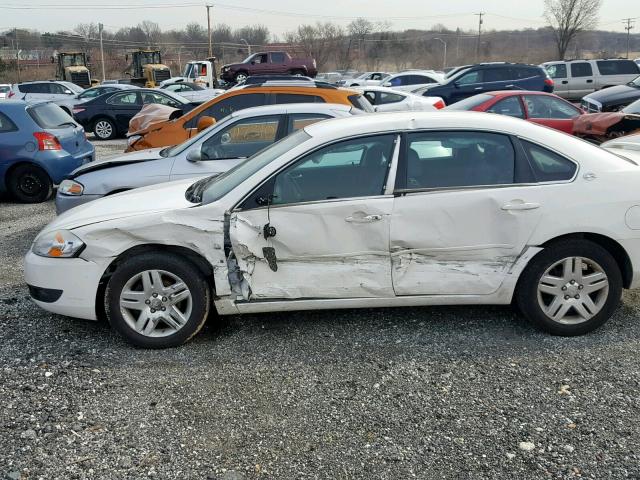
(22, 170)
(527, 290)
(114, 132)
(179, 266)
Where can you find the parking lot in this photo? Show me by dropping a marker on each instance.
(455, 392)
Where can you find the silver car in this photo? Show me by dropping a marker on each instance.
(44, 90)
(211, 152)
(68, 102)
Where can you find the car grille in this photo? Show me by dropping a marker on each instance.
(162, 75)
(81, 79)
(590, 106)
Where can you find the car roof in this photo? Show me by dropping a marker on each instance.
(290, 108)
(13, 105)
(508, 93)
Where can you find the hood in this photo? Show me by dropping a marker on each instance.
(119, 159)
(150, 114)
(617, 94)
(140, 201)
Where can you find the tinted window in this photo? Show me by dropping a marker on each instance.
(497, 74)
(49, 115)
(125, 99)
(34, 88)
(547, 165)
(177, 87)
(152, 97)
(361, 103)
(471, 77)
(459, 159)
(543, 106)
(277, 57)
(510, 106)
(386, 97)
(417, 79)
(94, 92)
(6, 125)
(301, 120)
(557, 71)
(242, 139)
(295, 98)
(351, 168)
(519, 73)
(617, 67)
(582, 69)
(226, 106)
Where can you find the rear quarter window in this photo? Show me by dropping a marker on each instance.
(6, 125)
(548, 166)
(361, 103)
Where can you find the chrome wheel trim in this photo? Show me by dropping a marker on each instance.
(103, 129)
(573, 290)
(156, 303)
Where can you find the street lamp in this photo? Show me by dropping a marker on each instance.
(444, 61)
(247, 44)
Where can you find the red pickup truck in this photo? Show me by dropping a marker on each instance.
(268, 63)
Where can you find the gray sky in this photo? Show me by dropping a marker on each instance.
(51, 15)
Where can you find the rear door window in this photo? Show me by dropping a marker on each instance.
(558, 70)
(618, 67)
(301, 120)
(227, 106)
(581, 69)
(124, 99)
(497, 74)
(242, 139)
(385, 98)
(277, 57)
(543, 106)
(6, 125)
(297, 98)
(548, 166)
(34, 88)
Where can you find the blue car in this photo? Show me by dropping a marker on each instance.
(40, 144)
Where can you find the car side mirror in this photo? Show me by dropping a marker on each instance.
(205, 122)
(253, 62)
(68, 92)
(386, 84)
(456, 84)
(194, 155)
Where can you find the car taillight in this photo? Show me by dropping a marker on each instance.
(439, 104)
(548, 81)
(46, 141)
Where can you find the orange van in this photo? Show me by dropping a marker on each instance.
(171, 132)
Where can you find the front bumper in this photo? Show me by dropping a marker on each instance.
(76, 278)
(66, 202)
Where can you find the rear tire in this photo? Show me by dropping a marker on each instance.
(157, 300)
(104, 129)
(570, 288)
(30, 184)
(240, 77)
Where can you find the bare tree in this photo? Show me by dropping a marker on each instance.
(568, 18)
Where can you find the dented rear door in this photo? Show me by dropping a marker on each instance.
(325, 230)
(460, 221)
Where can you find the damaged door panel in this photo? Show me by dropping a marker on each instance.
(333, 249)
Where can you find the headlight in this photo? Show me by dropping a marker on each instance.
(57, 244)
(71, 187)
(133, 139)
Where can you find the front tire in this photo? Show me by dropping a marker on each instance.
(570, 288)
(104, 129)
(240, 77)
(157, 300)
(30, 184)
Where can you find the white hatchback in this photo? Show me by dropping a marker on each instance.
(398, 209)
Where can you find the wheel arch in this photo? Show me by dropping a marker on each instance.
(197, 260)
(616, 250)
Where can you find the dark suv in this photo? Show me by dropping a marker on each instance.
(489, 77)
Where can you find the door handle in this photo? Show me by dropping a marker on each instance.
(509, 86)
(564, 82)
(363, 219)
(589, 81)
(515, 205)
(478, 88)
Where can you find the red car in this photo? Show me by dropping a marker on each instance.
(538, 107)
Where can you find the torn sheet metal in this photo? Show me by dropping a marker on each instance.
(605, 126)
(323, 250)
(150, 114)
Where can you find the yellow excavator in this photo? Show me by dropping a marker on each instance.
(73, 67)
(146, 68)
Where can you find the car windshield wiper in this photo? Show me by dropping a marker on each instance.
(64, 124)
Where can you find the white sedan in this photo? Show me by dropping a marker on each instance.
(397, 209)
(386, 99)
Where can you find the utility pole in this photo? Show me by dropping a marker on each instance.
(480, 15)
(100, 28)
(444, 61)
(15, 34)
(628, 28)
(457, 45)
(209, 7)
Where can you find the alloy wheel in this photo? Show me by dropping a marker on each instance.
(573, 290)
(156, 303)
(103, 129)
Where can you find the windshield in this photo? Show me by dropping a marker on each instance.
(229, 180)
(181, 147)
(632, 107)
(149, 57)
(469, 103)
(74, 60)
(248, 59)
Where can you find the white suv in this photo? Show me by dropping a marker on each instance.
(576, 78)
(44, 90)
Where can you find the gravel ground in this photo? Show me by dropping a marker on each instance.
(456, 392)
